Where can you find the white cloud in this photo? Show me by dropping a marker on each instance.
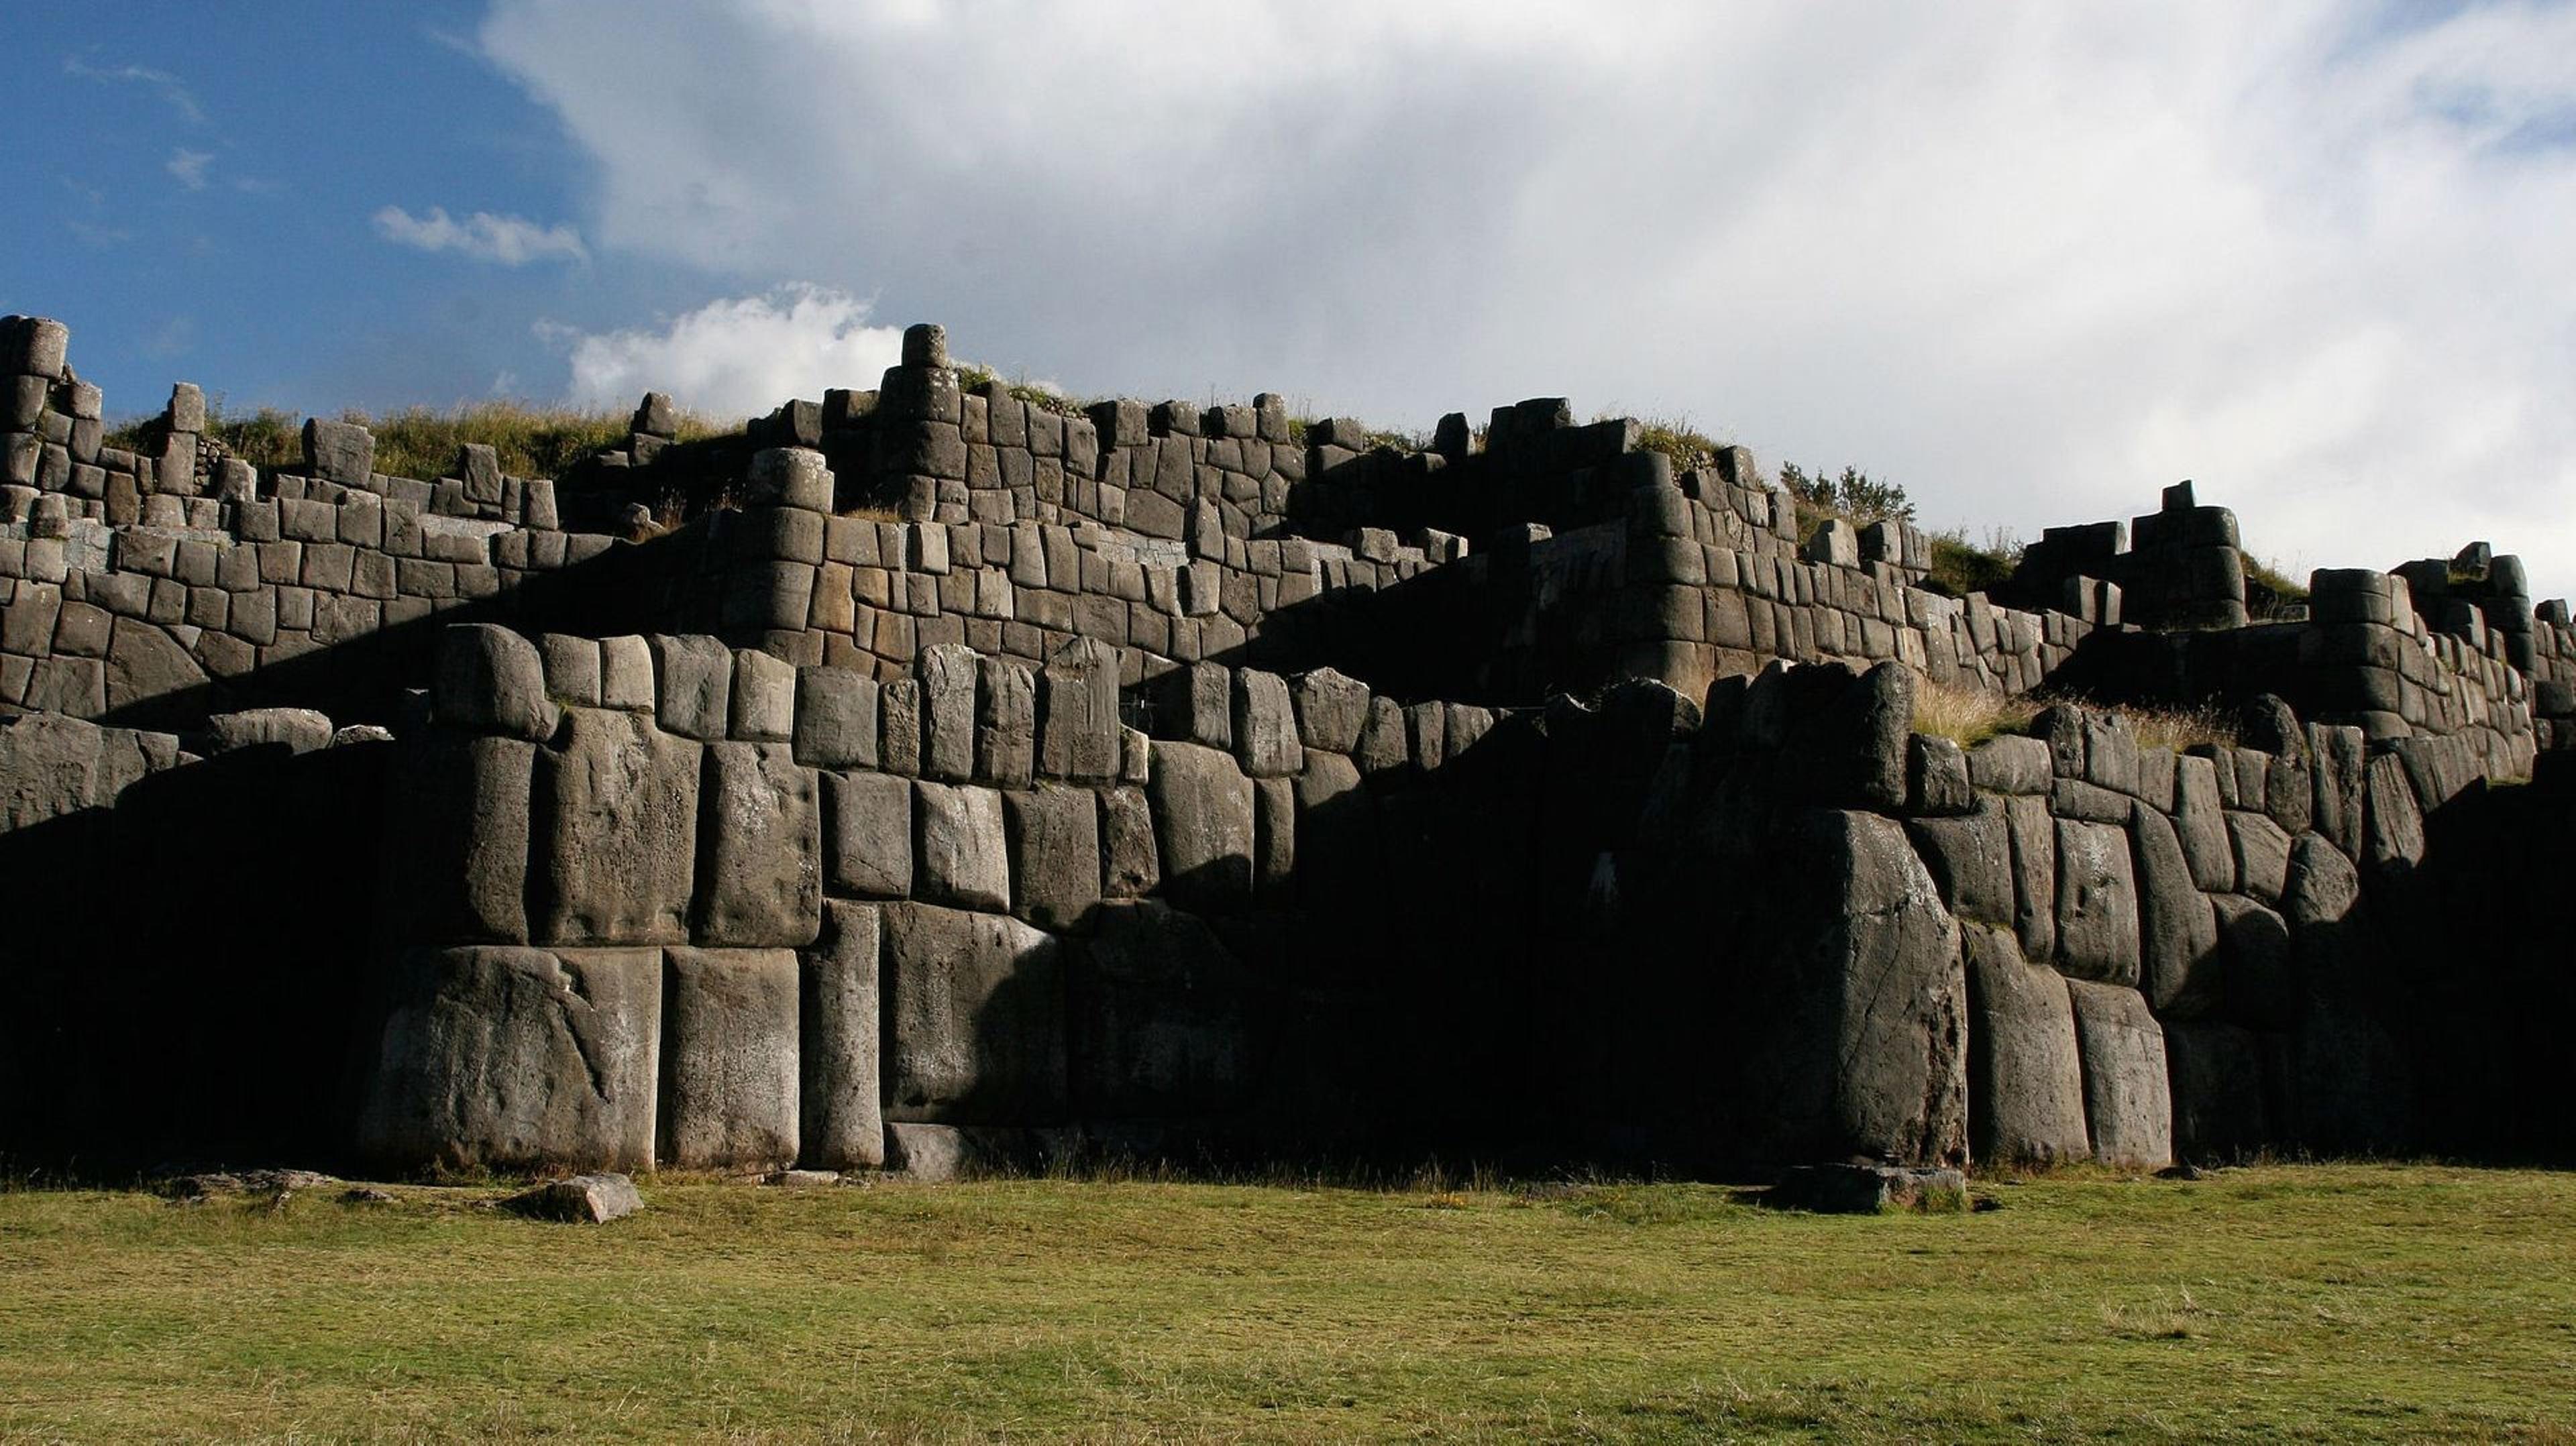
(2033, 261)
(502, 240)
(735, 358)
(189, 167)
(171, 88)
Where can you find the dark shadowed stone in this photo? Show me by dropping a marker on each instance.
(2220, 1107)
(580, 1200)
(870, 822)
(2393, 831)
(2254, 981)
(1055, 855)
(613, 843)
(2025, 1075)
(1971, 861)
(508, 1058)
(1162, 1017)
(2177, 928)
(839, 1124)
(2097, 904)
(975, 1027)
(1203, 821)
(2266, 723)
(1854, 1189)
(1130, 865)
(2340, 769)
(760, 836)
(491, 680)
(961, 854)
(2262, 854)
(730, 1078)
(2127, 1101)
(459, 838)
(2062, 729)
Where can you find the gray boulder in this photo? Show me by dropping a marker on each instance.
(974, 1018)
(506, 1058)
(731, 1080)
(581, 1200)
(2127, 1101)
(613, 846)
(491, 680)
(870, 834)
(961, 852)
(839, 1123)
(760, 839)
(2097, 903)
(1203, 819)
(2025, 1073)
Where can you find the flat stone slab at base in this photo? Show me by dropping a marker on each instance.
(1868, 1189)
(583, 1199)
(802, 1179)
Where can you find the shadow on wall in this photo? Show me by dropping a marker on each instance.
(187, 972)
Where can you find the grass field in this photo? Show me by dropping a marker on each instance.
(2315, 1302)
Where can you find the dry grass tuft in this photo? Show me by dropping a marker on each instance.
(1969, 716)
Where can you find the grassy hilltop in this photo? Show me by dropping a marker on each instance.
(2304, 1303)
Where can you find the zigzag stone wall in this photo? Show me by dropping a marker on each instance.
(1161, 779)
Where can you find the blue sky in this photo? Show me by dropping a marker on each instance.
(2032, 261)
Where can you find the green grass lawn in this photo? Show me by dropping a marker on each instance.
(2315, 1302)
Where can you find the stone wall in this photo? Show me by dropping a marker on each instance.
(1167, 780)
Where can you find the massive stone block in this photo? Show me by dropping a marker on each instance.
(2097, 903)
(974, 1019)
(1862, 972)
(961, 852)
(510, 1058)
(613, 852)
(1971, 859)
(459, 841)
(730, 1078)
(1055, 855)
(2034, 864)
(871, 835)
(2220, 1103)
(2178, 930)
(2127, 1101)
(1163, 1017)
(1203, 817)
(839, 1123)
(760, 836)
(2025, 1072)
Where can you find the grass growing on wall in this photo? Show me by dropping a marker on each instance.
(2309, 1303)
(533, 440)
(1970, 716)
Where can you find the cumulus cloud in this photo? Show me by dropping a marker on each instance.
(737, 357)
(2032, 261)
(501, 240)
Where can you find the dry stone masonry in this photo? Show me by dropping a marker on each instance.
(937, 777)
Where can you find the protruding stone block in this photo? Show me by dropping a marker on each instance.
(760, 832)
(961, 852)
(491, 680)
(1055, 855)
(1203, 818)
(839, 1123)
(613, 850)
(2127, 1101)
(2025, 1073)
(974, 1017)
(731, 1081)
(871, 834)
(516, 1059)
(693, 686)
